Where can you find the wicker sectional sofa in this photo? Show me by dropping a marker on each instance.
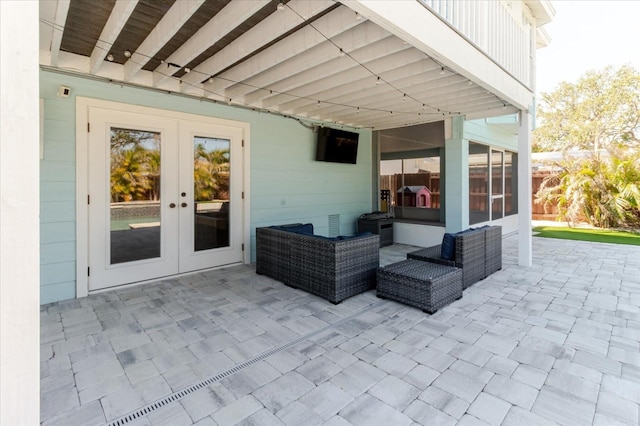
(477, 251)
(332, 268)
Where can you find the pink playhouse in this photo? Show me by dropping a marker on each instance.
(414, 196)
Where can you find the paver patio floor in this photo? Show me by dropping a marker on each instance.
(556, 343)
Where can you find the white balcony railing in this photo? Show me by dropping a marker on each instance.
(502, 29)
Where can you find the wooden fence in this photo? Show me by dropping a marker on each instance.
(540, 211)
(546, 211)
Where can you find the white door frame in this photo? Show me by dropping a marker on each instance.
(82, 188)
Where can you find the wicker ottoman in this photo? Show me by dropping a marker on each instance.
(425, 285)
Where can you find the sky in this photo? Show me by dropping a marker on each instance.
(588, 35)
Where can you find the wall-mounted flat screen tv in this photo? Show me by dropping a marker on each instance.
(337, 146)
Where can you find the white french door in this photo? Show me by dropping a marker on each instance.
(211, 207)
(165, 196)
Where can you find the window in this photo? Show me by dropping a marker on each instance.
(502, 180)
(497, 184)
(478, 183)
(413, 187)
(510, 183)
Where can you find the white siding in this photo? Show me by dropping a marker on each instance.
(19, 262)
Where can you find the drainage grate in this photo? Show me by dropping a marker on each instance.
(142, 412)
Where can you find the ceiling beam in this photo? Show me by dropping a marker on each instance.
(471, 104)
(230, 17)
(414, 22)
(329, 26)
(168, 26)
(278, 78)
(446, 95)
(470, 101)
(120, 14)
(62, 9)
(319, 80)
(47, 13)
(358, 80)
(427, 87)
(276, 25)
(392, 122)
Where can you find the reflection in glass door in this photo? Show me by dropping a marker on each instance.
(211, 179)
(135, 218)
(133, 191)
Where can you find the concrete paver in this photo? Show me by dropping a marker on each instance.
(555, 343)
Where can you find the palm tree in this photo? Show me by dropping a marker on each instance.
(135, 165)
(603, 191)
(128, 178)
(211, 174)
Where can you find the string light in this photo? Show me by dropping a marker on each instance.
(280, 6)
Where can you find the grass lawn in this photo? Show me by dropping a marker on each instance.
(587, 234)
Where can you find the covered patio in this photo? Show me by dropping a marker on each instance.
(263, 78)
(554, 343)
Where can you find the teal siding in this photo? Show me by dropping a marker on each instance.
(56, 273)
(497, 135)
(57, 199)
(55, 232)
(60, 150)
(57, 211)
(57, 191)
(61, 252)
(59, 291)
(286, 185)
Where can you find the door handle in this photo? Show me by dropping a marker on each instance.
(184, 204)
(172, 205)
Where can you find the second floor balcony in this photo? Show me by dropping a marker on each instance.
(507, 31)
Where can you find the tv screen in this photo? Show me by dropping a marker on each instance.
(337, 146)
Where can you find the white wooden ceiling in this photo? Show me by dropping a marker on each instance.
(314, 59)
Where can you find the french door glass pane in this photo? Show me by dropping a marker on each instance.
(478, 183)
(211, 173)
(135, 195)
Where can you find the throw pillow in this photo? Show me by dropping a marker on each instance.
(447, 250)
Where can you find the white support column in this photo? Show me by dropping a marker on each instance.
(456, 190)
(19, 214)
(525, 250)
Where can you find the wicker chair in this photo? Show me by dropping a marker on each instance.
(493, 252)
(477, 256)
(332, 269)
